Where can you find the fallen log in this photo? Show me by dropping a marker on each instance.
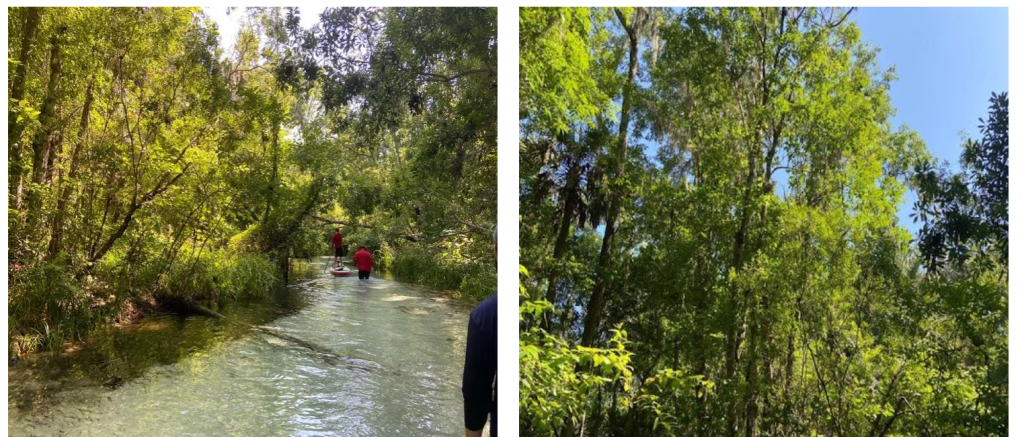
(185, 308)
(329, 355)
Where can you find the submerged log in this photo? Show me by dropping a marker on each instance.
(329, 355)
(208, 312)
(184, 307)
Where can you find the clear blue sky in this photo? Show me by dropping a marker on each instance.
(948, 61)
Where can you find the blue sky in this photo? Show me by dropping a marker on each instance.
(948, 61)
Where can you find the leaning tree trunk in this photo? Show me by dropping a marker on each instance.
(594, 311)
(17, 89)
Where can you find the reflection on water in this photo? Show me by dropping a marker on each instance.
(339, 357)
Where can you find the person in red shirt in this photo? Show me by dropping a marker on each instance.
(338, 246)
(363, 261)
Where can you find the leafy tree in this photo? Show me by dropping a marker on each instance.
(966, 214)
(739, 224)
(963, 244)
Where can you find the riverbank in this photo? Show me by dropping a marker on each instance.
(471, 280)
(73, 329)
(55, 305)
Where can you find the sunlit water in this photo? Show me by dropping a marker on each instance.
(388, 362)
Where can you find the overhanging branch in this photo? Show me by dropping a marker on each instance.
(339, 222)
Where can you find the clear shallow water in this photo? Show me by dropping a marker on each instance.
(387, 361)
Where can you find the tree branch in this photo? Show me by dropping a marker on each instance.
(624, 22)
(442, 78)
(135, 206)
(484, 230)
(339, 222)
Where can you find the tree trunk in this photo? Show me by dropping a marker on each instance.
(66, 182)
(752, 375)
(759, 327)
(567, 216)
(539, 190)
(40, 143)
(53, 151)
(17, 93)
(284, 265)
(699, 344)
(594, 311)
(274, 152)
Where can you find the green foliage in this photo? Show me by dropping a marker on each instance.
(47, 307)
(222, 276)
(965, 215)
(556, 87)
(50, 305)
(562, 381)
(559, 380)
(474, 280)
(755, 260)
(963, 245)
(147, 161)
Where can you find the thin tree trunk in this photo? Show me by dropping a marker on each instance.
(17, 93)
(94, 240)
(271, 195)
(734, 342)
(66, 183)
(567, 216)
(758, 326)
(594, 311)
(40, 143)
(126, 222)
(176, 245)
(699, 346)
(539, 193)
(56, 146)
(752, 375)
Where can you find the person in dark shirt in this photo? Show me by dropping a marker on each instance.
(337, 243)
(479, 382)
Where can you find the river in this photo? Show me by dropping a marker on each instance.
(372, 358)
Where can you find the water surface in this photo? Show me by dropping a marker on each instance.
(372, 358)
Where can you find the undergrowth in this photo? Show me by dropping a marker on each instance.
(51, 303)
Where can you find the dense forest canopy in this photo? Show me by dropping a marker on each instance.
(147, 161)
(709, 235)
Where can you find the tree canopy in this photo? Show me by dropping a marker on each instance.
(147, 160)
(709, 235)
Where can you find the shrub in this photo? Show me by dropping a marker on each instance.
(47, 307)
(473, 279)
(562, 384)
(221, 275)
